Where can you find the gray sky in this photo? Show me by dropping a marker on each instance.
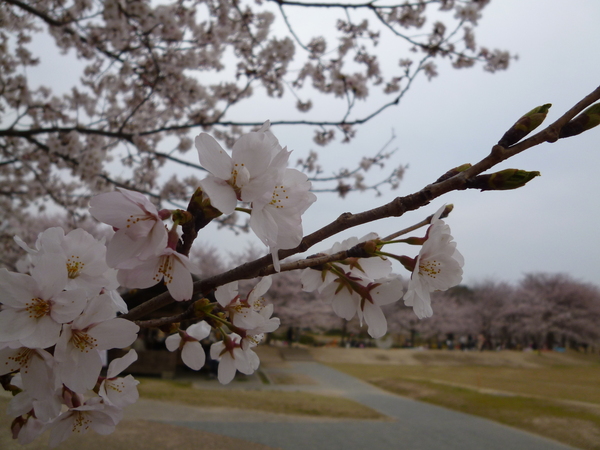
(547, 226)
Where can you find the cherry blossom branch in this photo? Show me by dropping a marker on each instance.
(368, 5)
(396, 208)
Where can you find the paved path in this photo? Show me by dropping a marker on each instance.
(412, 425)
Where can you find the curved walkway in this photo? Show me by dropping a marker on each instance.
(412, 425)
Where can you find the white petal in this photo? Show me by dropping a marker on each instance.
(181, 285)
(118, 365)
(114, 333)
(172, 342)
(226, 370)
(375, 319)
(199, 330)
(389, 291)
(226, 293)
(193, 355)
(221, 195)
(212, 156)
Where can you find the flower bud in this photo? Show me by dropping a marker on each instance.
(525, 125)
(583, 122)
(503, 180)
(453, 172)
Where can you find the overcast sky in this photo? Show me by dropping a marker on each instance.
(548, 226)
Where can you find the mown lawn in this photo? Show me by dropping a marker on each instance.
(558, 402)
(281, 402)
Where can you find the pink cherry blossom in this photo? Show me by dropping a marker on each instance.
(140, 230)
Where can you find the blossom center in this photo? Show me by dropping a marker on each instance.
(165, 269)
(83, 341)
(239, 176)
(279, 194)
(81, 422)
(114, 385)
(430, 268)
(133, 220)
(74, 266)
(22, 357)
(38, 308)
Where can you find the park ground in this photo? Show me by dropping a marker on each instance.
(554, 395)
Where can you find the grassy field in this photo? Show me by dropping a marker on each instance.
(550, 394)
(556, 397)
(300, 403)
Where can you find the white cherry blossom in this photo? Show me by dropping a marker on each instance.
(232, 357)
(277, 215)
(255, 166)
(437, 267)
(35, 306)
(79, 419)
(77, 350)
(187, 340)
(119, 391)
(251, 315)
(169, 266)
(364, 268)
(349, 295)
(84, 256)
(35, 366)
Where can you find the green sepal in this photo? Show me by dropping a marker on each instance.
(586, 120)
(525, 125)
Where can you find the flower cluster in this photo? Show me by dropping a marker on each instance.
(142, 250)
(248, 320)
(257, 173)
(360, 286)
(61, 311)
(55, 322)
(357, 286)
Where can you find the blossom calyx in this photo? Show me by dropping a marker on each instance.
(203, 307)
(504, 180)
(180, 216)
(583, 122)
(525, 125)
(372, 247)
